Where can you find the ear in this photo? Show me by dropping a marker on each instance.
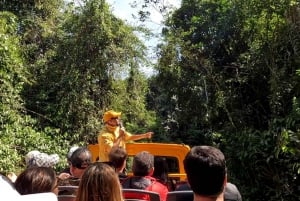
(151, 171)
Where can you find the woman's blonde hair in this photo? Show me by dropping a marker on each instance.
(99, 182)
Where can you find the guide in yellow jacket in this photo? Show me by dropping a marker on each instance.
(113, 134)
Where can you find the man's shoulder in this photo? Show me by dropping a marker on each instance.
(156, 185)
(68, 186)
(69, 182)
(136, 182)
(105, 133)
(159, 185)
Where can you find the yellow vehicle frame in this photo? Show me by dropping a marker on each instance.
(178, 151)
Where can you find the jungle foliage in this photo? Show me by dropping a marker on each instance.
(229, 71)
(62, 66)
(227, 75)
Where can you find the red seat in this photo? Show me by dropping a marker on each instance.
(140, 195)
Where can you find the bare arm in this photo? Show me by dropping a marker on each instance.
(147, 135)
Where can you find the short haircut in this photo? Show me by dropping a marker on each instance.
(142, 163)
(81, 158)
(205, 167)
(117, 156)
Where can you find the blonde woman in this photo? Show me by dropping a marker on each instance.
(99, 182)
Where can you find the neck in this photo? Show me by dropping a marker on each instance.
(119, 170)
(205, 198)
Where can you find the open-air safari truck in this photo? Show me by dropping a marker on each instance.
(173, 153)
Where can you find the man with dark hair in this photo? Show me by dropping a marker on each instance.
(66, 172)
(79, 161)
(205, 167)
(117, 157)
(143, 168)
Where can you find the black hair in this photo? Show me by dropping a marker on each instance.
(81, 158)
(205, 167)
(160, 169)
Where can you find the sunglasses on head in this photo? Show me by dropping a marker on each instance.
(81, 166)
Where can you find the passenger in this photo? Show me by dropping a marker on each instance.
(36, 158)
(231, 192)
(205, 167)
(142, 168)
(66, 173)
(113, 134)
(161, 171)
(99, 182)
(37, 180)
(9, 193)
(79, 161)
(117, 156)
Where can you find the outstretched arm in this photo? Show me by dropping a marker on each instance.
(147, 135)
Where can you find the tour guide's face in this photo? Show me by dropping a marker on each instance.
(113, 121)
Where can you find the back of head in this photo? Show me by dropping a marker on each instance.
(117, 156)
(143, 163)
(232, 193)
(99, 182)
(81, 158)
(71, 151)
(9, 193)
(160, 169)
(205, 167)
(36, 180)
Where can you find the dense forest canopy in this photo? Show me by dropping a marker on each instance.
(227, 75)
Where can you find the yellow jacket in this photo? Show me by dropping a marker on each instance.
(106, 139)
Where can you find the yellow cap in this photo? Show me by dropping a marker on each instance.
(110, 114)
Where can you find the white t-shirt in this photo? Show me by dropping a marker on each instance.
(8, 193)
